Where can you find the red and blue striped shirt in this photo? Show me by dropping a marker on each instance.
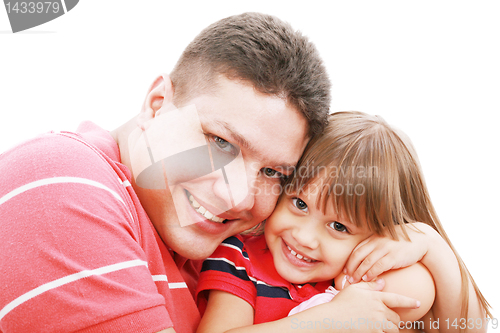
(243, 266)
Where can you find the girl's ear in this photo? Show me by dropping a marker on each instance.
(159, 97)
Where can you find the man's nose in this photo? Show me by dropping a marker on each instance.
(236, 187)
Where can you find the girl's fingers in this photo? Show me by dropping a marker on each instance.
(382, 265)
(392, 300)
(391, 327)
(391, 318)
(363, 243)
(374, 262)
(396, 301)
(357, 256)
(371, 265)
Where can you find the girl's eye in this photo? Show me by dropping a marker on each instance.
(271, 173)
(338, 227)
(300, 204)
(225, 146)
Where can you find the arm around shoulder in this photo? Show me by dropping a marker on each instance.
(414, 281)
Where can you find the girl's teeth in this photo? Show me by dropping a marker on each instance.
(298, 255)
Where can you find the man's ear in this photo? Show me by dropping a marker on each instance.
(160, 96)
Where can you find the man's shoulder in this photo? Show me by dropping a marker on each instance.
(89, 141)
(47, 147)
(54, 154)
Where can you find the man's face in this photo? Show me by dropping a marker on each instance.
(264, 132)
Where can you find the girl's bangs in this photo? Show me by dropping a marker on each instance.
(352, 167)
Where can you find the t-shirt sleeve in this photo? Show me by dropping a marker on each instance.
(70, 253)
(227, 269)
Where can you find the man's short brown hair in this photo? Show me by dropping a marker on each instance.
(264, 51)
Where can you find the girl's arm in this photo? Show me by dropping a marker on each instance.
(380, 254)
(444, 267)
(359, 304)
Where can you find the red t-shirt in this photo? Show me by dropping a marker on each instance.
(77, 250)
(243, 266)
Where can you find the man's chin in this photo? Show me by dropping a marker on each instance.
(197, 255)
(197, 251)
(200, 255)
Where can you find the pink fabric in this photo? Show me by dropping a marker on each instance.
(322, 298)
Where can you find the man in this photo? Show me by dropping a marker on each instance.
(97, 226)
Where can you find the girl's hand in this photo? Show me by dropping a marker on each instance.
(378, 254)
(367, 310)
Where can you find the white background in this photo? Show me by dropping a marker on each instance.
(431, 68)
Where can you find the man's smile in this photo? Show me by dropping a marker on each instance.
(203, 211)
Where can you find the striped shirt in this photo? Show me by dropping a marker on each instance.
(77, 250)
(243, 266)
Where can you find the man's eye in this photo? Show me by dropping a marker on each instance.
(300, 204)
(225, 146)
(338, 227)
(271, 173)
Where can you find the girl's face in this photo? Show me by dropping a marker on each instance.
(308, 245)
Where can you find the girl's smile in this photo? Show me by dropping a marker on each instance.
(296, 258)
(307, 244)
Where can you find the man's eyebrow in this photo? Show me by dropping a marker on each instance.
(242, 142)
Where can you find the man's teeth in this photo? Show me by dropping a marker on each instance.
(299, 255)
(203, 211)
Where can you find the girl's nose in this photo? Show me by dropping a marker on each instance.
(306, 235)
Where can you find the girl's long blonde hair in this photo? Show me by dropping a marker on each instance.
(371, 173)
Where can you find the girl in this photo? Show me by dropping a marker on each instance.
(331, 222)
